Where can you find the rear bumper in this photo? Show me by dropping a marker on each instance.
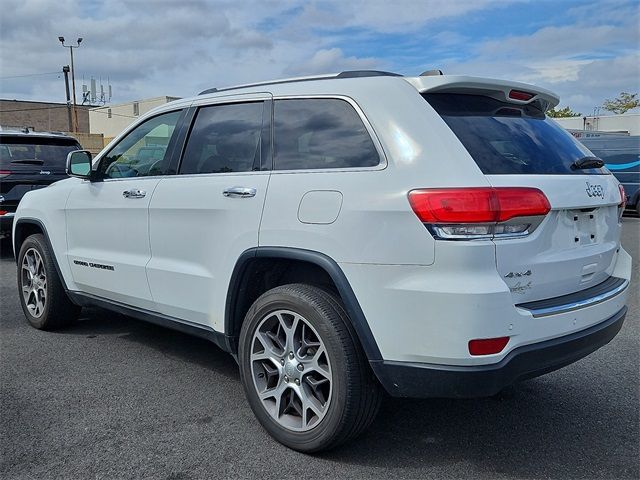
(404, 379)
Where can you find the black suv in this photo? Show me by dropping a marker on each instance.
(29, 160)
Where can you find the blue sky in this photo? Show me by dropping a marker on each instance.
(585, 51)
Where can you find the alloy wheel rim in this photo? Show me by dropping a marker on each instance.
(291, 370)
(34, 282)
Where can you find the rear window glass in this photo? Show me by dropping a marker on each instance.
(320, 133)
(504, 138)
(18, 151)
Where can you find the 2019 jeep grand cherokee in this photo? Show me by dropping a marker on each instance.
(28, 161)
(429, 236)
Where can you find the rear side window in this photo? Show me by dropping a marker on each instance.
(224, 139)
(320, 133)
(504, 138)
(37, 151)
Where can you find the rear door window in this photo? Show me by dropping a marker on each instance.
(320, 133)
(504, 138)
(39, 152)
(224, 139)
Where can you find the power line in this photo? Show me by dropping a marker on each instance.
(30, 75)
(64, 106)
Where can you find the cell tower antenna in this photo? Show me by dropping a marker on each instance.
(93, 90)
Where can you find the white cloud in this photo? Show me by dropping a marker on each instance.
(331, 60)
(150, 48)
(388, 16)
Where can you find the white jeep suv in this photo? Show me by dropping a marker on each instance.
(342, 236)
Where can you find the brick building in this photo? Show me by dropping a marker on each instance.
(49, 117)
(41, 116)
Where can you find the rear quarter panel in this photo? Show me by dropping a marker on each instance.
(375, 224)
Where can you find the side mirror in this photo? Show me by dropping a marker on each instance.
(79, 164)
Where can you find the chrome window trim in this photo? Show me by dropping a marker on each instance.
(587, 302)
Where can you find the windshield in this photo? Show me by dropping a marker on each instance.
(505, 138)
(51, 152)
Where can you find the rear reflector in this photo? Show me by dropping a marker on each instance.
(477, 204)
(2, 212)
(520, 95)
(4, 173)
(487, 346)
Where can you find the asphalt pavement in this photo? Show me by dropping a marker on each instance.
(113, 397)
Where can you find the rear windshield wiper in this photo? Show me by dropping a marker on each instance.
(587, 162)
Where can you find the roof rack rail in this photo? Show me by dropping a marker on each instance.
(366, 73)
(345, 74)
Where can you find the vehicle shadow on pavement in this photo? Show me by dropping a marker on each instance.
(528, 430)
(94, 322)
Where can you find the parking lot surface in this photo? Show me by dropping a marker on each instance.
(113, 397)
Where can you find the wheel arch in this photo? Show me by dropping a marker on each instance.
(324, 267)
(23, 229)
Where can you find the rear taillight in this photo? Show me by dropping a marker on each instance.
(623, 197)
(623, 201)
(4, 173)
(479, 212)
(2, 212)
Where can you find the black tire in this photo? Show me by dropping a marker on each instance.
(58, 310)
(356, 394)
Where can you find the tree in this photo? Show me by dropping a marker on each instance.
(622, 103)
(562, 112)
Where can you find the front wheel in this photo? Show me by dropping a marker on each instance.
(42, 296)
(304, 373)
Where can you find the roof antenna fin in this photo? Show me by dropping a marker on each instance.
(431, 73)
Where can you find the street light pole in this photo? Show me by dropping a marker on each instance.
(65, 70)
(73, 80)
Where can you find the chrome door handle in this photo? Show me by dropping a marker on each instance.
(134, 193)
(239, 192)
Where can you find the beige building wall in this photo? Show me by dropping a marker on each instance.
(628, 123)
(110, 120)
(94, 142)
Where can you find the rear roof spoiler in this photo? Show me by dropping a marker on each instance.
(498, 89)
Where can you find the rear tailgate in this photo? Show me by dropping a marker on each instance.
(31, 161)
(574, 245)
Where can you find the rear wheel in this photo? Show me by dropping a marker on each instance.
(305, 375)
(42, 296)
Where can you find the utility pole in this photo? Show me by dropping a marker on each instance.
(73, 80)
(65, 70)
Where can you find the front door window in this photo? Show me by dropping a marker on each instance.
(144, 151)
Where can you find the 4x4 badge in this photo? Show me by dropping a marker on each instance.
(595, 190)
(518, 274)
